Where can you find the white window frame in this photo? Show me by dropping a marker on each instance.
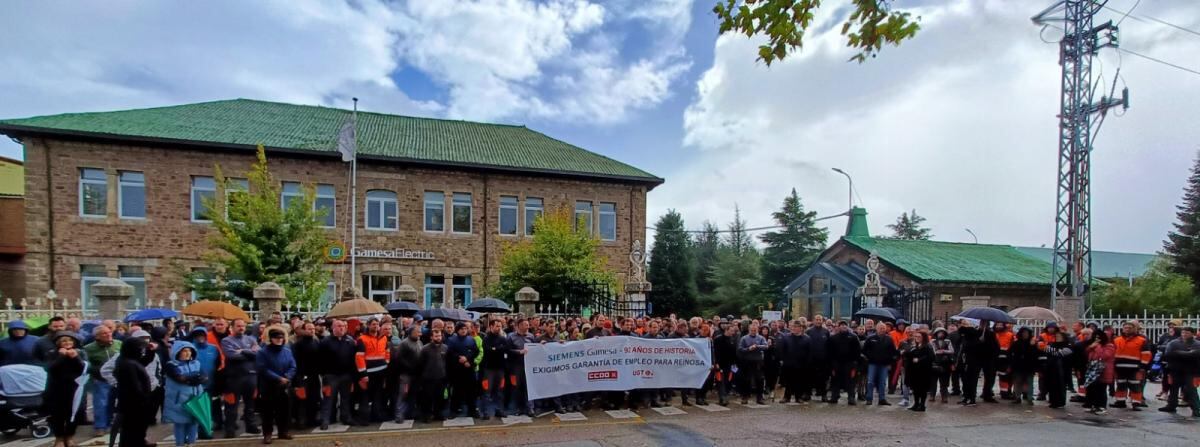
(131, 280)
(284, 194)
(84, 180)
(516, 211)
(382, 204)
(333, 208)
(540, 209)
(591, 214)
(469, 205)
(121, 184)
(600, 213)
(196, 189)
(425, 211)
(84, 279)
(371, 292)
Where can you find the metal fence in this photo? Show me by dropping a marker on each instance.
(1153, 325)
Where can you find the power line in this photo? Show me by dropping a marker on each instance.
(1144, 18)
(1143, 56)
(747, 230)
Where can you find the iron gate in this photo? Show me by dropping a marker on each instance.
(915, 304)
(591, 297)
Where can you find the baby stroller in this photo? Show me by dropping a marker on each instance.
(21, 389)
(1156, 371)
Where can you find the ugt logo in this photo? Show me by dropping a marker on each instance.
(601, 375)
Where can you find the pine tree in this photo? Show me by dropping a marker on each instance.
(672, 268)
(737, 273)
(793, 248)
(1181, 245)
(738, 240)
(908, 227)
(707, 244)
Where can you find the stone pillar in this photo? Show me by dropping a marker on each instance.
(269, 297)
(112, 294)
(527, 300)
(406, 293)
(971, 302)
(635, 295)
(1069, 308)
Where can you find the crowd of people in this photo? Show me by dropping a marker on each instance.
(274, 376)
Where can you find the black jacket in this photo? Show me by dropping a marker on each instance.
(880, 350)
(133, 384)
(844, 348)
(433, 362)
(819, 337)
(494, 348)
(794, 350)
(918, 366)
(1184, 357)
(306, 351)
(337, 355)
(725, 349)
(1023, 356)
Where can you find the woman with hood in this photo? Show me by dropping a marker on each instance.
(943, 362)
(133, 385)
(276, 370)
(1023, 362)
(65, 375)
(185, 379)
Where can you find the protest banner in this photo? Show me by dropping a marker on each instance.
(772, 315)
(616, 364)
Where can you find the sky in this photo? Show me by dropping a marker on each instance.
(957, 123)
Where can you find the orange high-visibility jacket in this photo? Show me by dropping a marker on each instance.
(1005, 339)
(1132, 352)
(372, 355)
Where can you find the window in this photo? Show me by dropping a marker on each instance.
(131, 195)
(381, 288)
(583, 216)
(508, 215)
(381, 210)
(292, 194)
(329, 297)
(89, 275)
(462, 291)
(236, 191)
(462, 213)
(435, 291)
(608, 221)
(326, 202)
(93, 192)
(134, 276)
(203, 191)
(533, 210)
(435, 211)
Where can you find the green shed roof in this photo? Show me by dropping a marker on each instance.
(245, 122)
(934, 261)
(1105, 264)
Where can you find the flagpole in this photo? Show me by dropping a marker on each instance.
(354, 199)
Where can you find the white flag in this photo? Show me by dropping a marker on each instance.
(346, 144)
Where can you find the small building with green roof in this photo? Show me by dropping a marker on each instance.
(121, 194)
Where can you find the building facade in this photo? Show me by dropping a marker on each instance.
(132, 206)
(12, 229)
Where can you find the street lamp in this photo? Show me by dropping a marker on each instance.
(850, 190)
(972, 233)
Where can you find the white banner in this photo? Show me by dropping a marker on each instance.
(616, 364)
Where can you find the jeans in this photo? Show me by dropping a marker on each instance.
(185, 434)
(877, 380)
(401, 397)
(102, 404)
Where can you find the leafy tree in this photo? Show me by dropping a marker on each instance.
(706, 247)
(794, 247)
(672, 267)
(1160, 290)
(256, 240)
(1182, 245)
(737, 274)
(871, 24)
(554, 258)
(908, 227)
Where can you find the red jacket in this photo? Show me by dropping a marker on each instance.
(1106, 354)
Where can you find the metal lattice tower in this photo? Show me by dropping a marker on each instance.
(1072, 271)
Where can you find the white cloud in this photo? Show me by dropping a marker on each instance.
(958, 123)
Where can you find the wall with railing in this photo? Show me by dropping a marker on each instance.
(1153, 325)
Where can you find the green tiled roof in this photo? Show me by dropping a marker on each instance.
(934, 261)
(1105, 264)
(244, 122)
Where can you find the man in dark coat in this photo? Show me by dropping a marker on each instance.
(794, 349)
(338, 373)
(307, 386)
(495, 346)
(725, 356)
(843, 349)
(1184, 356)
(133, 385)
(18, 348)
(818, 367)
(460, 371)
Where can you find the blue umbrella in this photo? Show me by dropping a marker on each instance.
(151, 314)
(987, 314)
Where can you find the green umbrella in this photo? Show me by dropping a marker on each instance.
(200, 407)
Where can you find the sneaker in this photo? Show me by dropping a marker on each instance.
(970, 403)
(1100, 412)
(904, 402)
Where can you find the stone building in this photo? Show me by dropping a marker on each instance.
(949, 276)
(12, 228)
(119, 194)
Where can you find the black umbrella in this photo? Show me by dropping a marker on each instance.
(402, 309)
(445, 313)
(490, 305)
(879, 313)
(987, 314)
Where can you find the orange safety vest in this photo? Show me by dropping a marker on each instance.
(1132, 352)
(1005, 339)
(372, 355)
(897, 338)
